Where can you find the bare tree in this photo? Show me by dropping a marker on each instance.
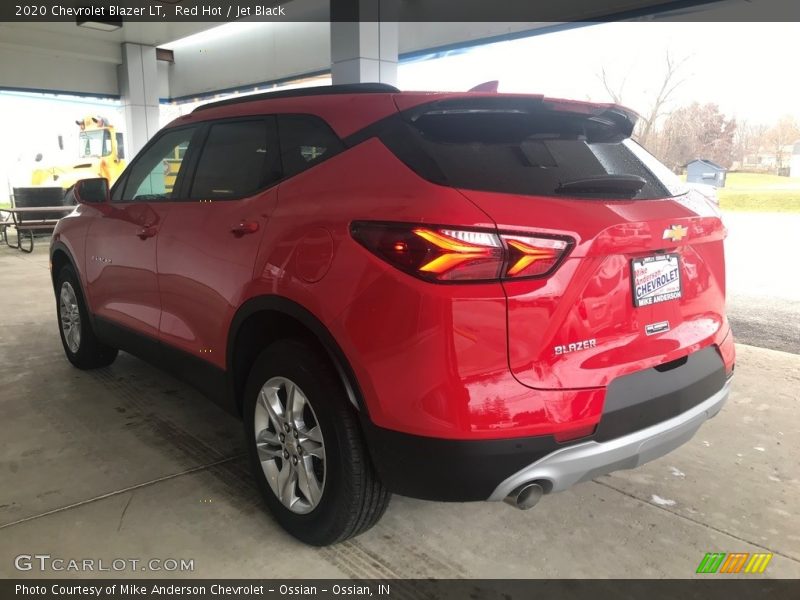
(614, 91)
(696, 131)
(747, 140)
(670, 81)
(785, 132)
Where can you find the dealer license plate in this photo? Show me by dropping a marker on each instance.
(655, 279)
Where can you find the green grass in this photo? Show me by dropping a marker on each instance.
(761, 181)
(760, 201)
(758, 192)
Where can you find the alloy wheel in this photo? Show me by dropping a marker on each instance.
(290, 445)
(70, 317)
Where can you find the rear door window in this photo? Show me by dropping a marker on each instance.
(306, 141)
(238, 159)
(526, 150)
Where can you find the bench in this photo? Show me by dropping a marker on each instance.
(28, 226)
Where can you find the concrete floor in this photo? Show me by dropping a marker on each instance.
(126, 462)
(763, 296)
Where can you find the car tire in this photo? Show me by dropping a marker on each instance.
(81, 345)
(306, 448)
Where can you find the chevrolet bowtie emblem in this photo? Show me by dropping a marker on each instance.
(675, 233)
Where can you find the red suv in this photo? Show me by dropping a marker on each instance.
(450, 296)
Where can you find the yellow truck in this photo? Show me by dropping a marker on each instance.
(101, 153)
(172, 165)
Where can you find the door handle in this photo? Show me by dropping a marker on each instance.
(147, 232)
(244, 227)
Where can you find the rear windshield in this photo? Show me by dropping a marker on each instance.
(533, 152)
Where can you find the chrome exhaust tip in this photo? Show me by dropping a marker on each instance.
(525, 496)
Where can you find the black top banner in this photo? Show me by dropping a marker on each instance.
(713, 588)
(114, 13)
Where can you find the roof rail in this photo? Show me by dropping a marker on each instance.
(320, 90)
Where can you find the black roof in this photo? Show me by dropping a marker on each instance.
(320, 90)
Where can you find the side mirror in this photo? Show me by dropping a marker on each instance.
(91, 191)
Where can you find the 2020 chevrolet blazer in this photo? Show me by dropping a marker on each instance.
(450, 296)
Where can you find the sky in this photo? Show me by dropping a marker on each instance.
(749, 69)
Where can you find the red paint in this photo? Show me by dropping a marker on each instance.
(314, 255)
(452, 360)
(120, 263)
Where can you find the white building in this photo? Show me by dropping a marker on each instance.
(794, 164)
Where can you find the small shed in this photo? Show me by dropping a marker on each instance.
(706, 171)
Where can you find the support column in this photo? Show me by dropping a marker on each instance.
(363, 51)
(138, 88)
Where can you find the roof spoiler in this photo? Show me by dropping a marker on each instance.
(609, 122)
(489, 87)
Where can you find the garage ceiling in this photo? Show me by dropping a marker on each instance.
(60, 56)
(67, 39)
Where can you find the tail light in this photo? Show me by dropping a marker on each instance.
(533, 256)
(447, 254)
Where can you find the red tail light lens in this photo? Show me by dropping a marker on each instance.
(433, 253)
(448, 254)
(533, 256)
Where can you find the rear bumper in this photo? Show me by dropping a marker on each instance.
(581, 462)
(449, 470)
(646, 415)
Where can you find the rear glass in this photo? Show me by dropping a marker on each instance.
(532, 153)
(235, 160)
(306, 140)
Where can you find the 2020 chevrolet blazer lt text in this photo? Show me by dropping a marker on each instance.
(451, 296)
